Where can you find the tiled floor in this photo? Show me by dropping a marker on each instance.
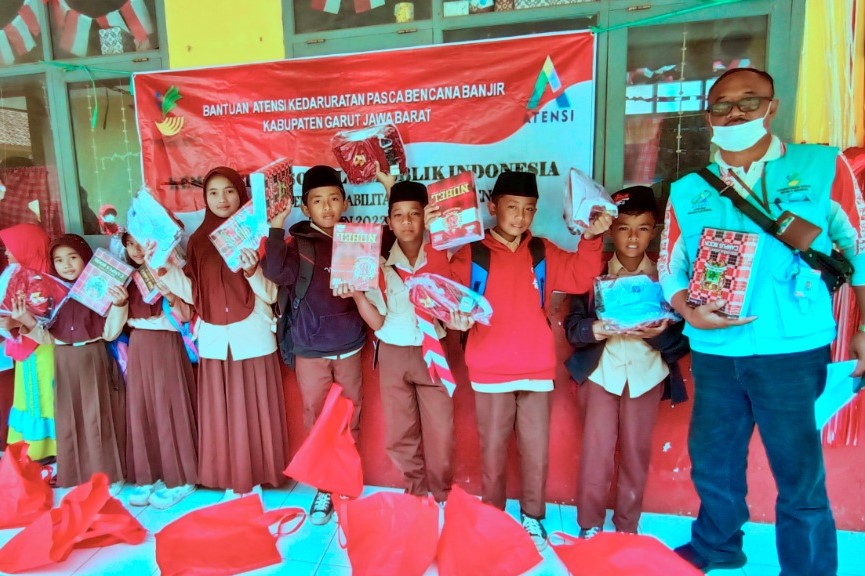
(315, 550)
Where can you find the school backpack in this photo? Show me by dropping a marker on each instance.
(288, 305)
(481, 266)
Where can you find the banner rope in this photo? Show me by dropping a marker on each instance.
(661, 17)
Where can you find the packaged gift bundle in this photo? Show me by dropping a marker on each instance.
(356, 250)
(242, 230)
(150, 221)
(43, 293)
(357, 151)
(440, 296)
(627, 303)
(722, 268)
(460, 220)
(272, 188)
(102, 272)
(585, 199)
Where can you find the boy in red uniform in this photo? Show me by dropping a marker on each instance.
(512, 362)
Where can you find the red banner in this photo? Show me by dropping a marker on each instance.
(521, 104)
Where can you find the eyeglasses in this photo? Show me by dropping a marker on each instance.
(748, 104)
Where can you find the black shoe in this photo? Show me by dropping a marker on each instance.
(697, 560)
(535, 529)
(321, 509)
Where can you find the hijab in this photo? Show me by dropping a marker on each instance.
(75, 322)
(28, 243)
(221, 296)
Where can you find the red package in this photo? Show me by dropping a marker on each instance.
(25, 492)
(44, 293)
(356, 251)
(357, 151)
(619, 553)
(440, 296)
(460, 220)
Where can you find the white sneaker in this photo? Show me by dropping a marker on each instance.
(165, 498)
(140, 494)
(115, 488)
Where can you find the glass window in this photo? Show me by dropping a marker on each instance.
(321, 15)
(465, 7)
(670, 71)
(107, 152)
(519, 29)
(81, 28)
(20, 32)
(29, 191)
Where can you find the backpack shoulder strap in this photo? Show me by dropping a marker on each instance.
(306, 253)
(480, 267)
(539, 264)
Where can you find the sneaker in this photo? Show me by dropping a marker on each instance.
(589, 533)
(536, 530)
(697, 560)
(165, 498)
(116, 487)
(141, 494)
(321, 509)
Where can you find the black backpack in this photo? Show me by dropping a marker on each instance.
(288, 307)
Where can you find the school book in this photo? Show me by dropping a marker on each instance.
(101, 273)
(356, 250)
(460, 220)
(243, 229)
(147, 284)
(150, 221)
(272, 188)
(357, 151)
(43, 293)
(722, 269)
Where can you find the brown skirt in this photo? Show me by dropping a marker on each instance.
(242, 434)
(90, 414)
(160, 414)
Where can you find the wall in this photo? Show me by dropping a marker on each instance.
(219, 32)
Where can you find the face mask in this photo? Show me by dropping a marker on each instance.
(108, 218)
(739, 136)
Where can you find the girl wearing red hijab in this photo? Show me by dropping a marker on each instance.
(242, 435)
(32, 416)
(161, 453)
(90, 402)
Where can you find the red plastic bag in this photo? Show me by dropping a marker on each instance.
(620, 554)
(328, 458)
(440, 296)
(25, 490)
(389, 533)
(480, 540)
(87, 517)
(357, 151)
(227, 538)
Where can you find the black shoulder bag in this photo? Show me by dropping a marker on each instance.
(834, 268)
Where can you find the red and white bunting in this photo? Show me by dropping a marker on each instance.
(7, 56)
(75, 36)
(329, 6)
(365, 5)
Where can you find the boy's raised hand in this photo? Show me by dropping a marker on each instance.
(278, 221)
(346, 290)
(386, 180)
(430, 213)
(598, 226)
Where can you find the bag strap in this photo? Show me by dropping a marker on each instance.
(814, 258)
(306, 254)
(281, 517)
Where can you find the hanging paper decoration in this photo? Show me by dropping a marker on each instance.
(332, 6)
(18, 37)
(132, 17)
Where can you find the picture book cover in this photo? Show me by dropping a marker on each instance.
(102, 272)
(150, 221)
(357, 151)
(722, 268)
(460, 220)
(242, 230)
(43, 293)
(356, 250)
(146, 282)
(272, 188)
